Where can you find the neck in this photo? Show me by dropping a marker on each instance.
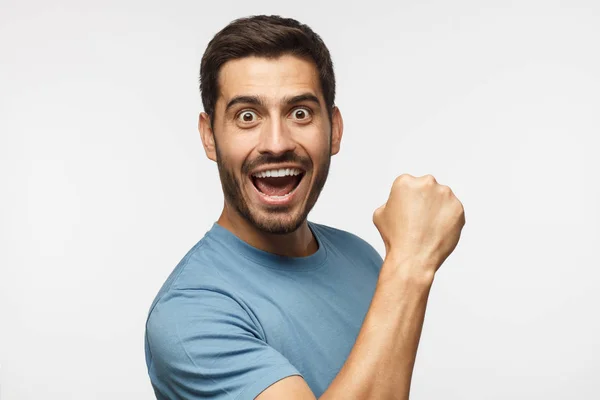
(300, 243)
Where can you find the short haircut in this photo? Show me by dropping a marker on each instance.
(264, 36)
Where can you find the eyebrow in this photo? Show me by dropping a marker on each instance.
(301, 97)
(259, 101)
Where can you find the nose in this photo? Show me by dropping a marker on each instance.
(276, 138)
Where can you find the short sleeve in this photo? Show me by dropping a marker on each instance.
(201, 344)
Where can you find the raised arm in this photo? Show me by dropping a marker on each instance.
(420, 225)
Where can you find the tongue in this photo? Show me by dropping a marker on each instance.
(277, 186)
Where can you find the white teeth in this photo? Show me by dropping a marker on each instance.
(277, 173)
(280, 197)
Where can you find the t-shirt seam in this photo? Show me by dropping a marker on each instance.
(165, 292)
(168, 289)
(313, 268)
(254, 319)
(262, 264)
(194, 363)
(182, 344)
(176, 286)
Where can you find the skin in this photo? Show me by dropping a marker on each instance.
(420, 223)
(290, 125)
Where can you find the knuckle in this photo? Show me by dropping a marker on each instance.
(460, 204)
(460, 211)
(429, 179)
(401, 179)
(444, 189)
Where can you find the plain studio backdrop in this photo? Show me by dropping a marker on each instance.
(105, 185)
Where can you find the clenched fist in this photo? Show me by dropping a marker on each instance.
(420, 222)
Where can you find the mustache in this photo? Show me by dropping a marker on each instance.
(267, 159)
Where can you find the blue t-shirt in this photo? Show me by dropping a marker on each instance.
(231, 319)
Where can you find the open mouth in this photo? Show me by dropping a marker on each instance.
(277, 183)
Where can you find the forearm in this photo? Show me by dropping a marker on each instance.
(381, 362)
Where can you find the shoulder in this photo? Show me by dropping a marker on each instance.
(195, 301)
(199, 268)
(202, 338)
(197, 280)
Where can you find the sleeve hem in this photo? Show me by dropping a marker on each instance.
(276, 374)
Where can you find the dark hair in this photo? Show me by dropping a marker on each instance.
(263, 36)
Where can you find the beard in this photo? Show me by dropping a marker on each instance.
(273, 220)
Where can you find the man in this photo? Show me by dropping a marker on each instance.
(268, 305)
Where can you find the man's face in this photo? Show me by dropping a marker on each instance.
(273, 140)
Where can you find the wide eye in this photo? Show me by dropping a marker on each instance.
(301, 114)
(247, 116)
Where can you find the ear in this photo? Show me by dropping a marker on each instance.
(337, 130)
(207, 136)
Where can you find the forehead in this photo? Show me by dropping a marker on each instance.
(271, 78)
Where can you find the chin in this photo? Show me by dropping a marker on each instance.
(276, 223)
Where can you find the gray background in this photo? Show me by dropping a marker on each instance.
(105, 186)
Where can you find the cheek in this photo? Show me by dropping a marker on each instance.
(319, 150)
(315, 139)
(234, 155)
